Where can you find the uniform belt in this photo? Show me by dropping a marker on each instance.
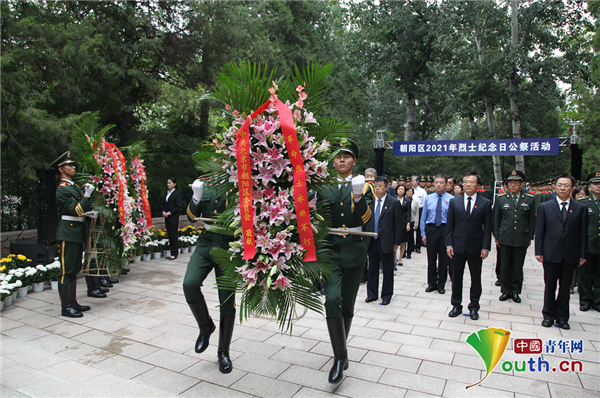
(72, 218)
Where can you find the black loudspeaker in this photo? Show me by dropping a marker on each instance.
(44, 249)
(30, 248)
(46, 204)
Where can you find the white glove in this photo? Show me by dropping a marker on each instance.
(88, 190)
(358, 184)
(198, 188)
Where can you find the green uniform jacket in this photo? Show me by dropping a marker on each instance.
(71, 202)
(514, 225)
(350, 250)
(210, 205)
(593, 225)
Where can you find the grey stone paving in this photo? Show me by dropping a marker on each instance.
(139, 341)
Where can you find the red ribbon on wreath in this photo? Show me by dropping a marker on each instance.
(120, 175)
(286, 122)
(145, 201)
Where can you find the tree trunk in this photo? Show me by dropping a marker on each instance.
(472, 134)
(425, 125)
(471, 127)
(515, 116)
(514, 85)
(489, 106)
(411, 117)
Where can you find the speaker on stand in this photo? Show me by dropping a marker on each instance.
(44, 249)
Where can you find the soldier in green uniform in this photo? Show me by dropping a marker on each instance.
(428, 186)
(207, 203)
(71, 203)
(349, 209)
(589, 272)
(514, 227)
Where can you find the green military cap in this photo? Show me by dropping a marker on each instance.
(594, 176)
(401, 179)
(347, 145)
(63, 159)
(423, 179)
(514, 174)
(429, 179)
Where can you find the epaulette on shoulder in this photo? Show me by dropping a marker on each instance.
(503, 194)
(63, 184)
(530, 195)
(582, 199)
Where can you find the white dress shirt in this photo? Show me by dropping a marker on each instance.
(473, 200)
(560, 201)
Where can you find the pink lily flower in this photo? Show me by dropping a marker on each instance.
(281, 283)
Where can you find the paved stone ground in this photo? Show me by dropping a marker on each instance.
(139, 343)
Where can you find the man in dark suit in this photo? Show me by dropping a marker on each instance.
(388, 222)
(468, 239)
(433, 232)
(561, 245)
(171, 214)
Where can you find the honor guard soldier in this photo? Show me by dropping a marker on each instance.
(428, 185)
(514, 228)
(589, 272)
(71, 203)
(208, 203)
(349, 209)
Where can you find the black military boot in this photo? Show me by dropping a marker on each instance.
(337, 335)
(205, 323)
(93, 288)
(74, 303)
(225, 333)
(347, 325)
(104, 282)
(64, 292)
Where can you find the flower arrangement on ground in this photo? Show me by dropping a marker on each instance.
(41, 274)
(121, 200)
(24, 275)
(53, 270)
(14, 261)
(8, 285)
(272, 163)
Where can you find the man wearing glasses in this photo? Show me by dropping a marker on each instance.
(561, 246)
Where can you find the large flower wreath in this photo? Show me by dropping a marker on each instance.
(272, 162)
(124, 217)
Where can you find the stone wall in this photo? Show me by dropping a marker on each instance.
(7, 237)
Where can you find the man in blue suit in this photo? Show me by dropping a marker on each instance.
(468, 239)
(433, 232)
(561, 245)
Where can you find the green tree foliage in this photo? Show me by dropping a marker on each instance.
(412, 68)
(585, 106)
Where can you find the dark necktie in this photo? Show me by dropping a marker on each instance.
(377, 210)
(564, 209)
(438, 211)
(468, 206)
(516, 199)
